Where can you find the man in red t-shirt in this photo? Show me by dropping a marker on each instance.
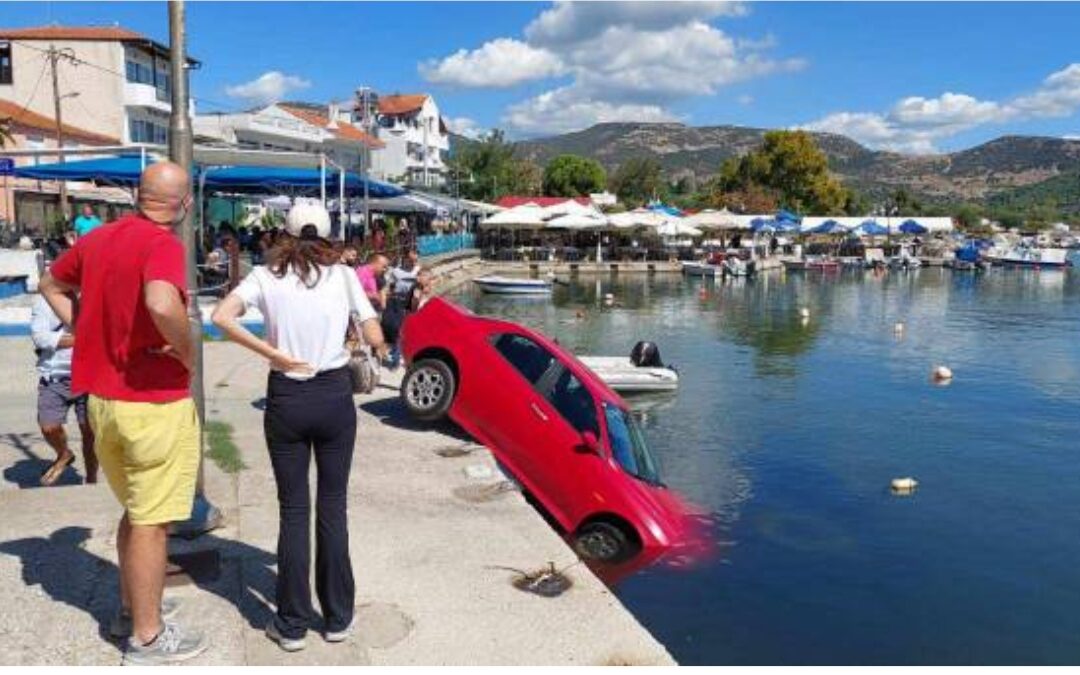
(133, 356)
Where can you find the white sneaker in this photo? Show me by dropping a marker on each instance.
(340, 635)
(288, 644)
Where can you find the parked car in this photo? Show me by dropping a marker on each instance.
(559, 430)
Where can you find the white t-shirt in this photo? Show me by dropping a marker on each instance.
(307, 323)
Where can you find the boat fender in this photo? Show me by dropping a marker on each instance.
(899, 327)
(646, 355)
(942, 374)
(905, 485)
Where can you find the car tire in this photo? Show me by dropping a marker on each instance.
(603, 542)
(428, 389)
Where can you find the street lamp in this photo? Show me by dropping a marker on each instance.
(367, 99)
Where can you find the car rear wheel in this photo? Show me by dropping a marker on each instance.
(604, 542)
(428, 389)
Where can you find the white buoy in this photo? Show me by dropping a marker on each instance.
(609, 298)
(899, 327)
(942, 374)
(804, 313)
(902, 485)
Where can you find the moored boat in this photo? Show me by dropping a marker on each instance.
(642, 371)
(813, 264)
(513, 286)
(1029, 256)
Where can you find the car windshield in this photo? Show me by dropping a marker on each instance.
(628, 446)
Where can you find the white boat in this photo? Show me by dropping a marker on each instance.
(640, 372)
(513, 286)
(1029, 256)
(700, 269)
(620, 373)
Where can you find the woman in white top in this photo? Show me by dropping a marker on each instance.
(306, 299)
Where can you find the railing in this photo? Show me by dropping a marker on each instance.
(435, 244)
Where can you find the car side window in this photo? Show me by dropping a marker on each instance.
(525, 355)
(574, 402)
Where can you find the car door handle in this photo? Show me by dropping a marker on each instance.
(539, 413)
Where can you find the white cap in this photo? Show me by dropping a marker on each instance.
(308, 213)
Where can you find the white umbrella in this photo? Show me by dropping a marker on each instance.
(578, 221)
(569, 207)
(675, 228)
(520, 217)
(711, 219)
(638, 218)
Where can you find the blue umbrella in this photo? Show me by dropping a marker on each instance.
(872, 228)
(762, 224)
(787, 216)
(829, 227)
(911, 227)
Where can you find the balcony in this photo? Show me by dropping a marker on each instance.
(145, 96)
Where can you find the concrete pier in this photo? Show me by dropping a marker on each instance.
(435, 552)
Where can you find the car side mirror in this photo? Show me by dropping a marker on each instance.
(590, 444)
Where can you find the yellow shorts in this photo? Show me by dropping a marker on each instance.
(149, 453)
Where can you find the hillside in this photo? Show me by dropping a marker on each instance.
(977, 173)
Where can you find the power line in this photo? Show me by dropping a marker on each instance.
(33, 92)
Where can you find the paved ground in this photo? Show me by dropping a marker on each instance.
(434, 550)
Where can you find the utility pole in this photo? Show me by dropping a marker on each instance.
(367, 98)
(54, 55)
(204, 515)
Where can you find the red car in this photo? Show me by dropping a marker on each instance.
(562, 433)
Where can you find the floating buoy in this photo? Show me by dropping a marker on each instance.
(898, 327)
(609, 299)
(904, 485)
(942, 374)
(804, 313)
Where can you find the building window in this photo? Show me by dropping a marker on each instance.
(6, 76)
(142, 131)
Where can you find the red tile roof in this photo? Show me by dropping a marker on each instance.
(399, 104)
(97, 33)
(28, 119)
(344, 129)
(510, 201)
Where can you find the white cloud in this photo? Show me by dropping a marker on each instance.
(500, 63)
(745, 99)
(916, 123)
(568, 109)
(571, 22)
(269, 87)
(465, 126)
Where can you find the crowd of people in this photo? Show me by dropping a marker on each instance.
(113, 341)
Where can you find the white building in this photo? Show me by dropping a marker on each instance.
(114, 88)
(289, 127)
(416, 141)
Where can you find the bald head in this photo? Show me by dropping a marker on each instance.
(164, 191)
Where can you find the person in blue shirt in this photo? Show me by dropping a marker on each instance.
(54, 346)
(87, 221)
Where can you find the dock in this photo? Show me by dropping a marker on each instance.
(435, 551)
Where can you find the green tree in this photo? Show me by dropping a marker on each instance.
(573, 176)
(790, 165)
(488, 169)
(638, 180)
(968, 217)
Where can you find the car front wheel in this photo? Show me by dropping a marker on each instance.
(604, 542)
(428, 389)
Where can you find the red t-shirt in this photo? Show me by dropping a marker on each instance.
(114, 334)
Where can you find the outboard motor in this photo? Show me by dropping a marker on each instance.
(646, 355)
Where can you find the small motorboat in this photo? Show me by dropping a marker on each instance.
(642, 372)
(700, 269)
(737, 267)
(513, 286)
(1029, 256)
(812, 264)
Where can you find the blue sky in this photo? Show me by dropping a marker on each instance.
(914, 77)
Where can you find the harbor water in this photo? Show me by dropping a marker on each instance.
(789, 430)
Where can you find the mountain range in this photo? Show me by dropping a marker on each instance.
(979, 174)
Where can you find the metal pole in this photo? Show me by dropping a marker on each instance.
(54, 54)
(204, 516)
(341, 202)
(322, 179)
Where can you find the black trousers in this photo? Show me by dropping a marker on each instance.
(302, 418)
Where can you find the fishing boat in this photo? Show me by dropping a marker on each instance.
(642, 371)
(1028, 256)
(513, 286)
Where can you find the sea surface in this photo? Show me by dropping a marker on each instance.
(789, 431)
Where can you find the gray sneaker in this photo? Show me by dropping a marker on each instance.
(172, 645)
(288, 644)
(340, 635)
(122, 627)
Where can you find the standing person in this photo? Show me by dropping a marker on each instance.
(307, 299)
(423, 291)
(87, 221)
(350, 256)
(52, 344)
(134, 355)
(372, 277)
(400, 282)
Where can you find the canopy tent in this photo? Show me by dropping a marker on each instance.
(830, 227)
(406, 203)
(711, 219)
(578, 222)
(787, 217)
(664, 209)
(125, 170)
(520, 217)
(910, 226)
(570, 207)
(638, 218)
(871, 228)
(677, 228)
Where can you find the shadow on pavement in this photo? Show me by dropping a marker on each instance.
(391, 412)
(62, 567)
(26, 473)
